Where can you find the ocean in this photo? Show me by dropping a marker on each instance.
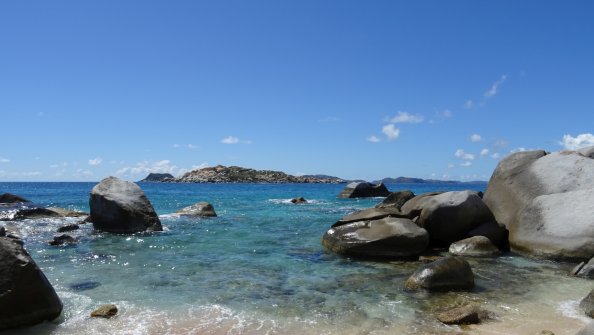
(259, 268)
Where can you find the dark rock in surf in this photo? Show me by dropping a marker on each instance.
(446, 274)
(9, 198)
(202, 208)
(477, 246)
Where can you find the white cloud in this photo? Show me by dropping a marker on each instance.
(405, 117)
(20, 174)
(142, 168)
(391, 131)
(451, 166)
(230, 140)
(581, 141)
(4, 160)
(465, 156)
(95, 161)
(373, 139)
(466, 164)
(469, 104)
(476, 138)
(484, 152)
(495, 155)
(447, 113)
(493, 90)
(176, 146)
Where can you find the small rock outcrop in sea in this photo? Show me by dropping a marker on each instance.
(67, 213)
(396, 199)
(364, 190)
(62, 240)
(388, 237)
(35, 213)
(67, 228)
(105, 311)
(587, 304)
(449, 216)
(236, 174)
(119, 206)
(477, 246)
(26, 296)
(465, 315)
(9, 198)
(545, 200)
(446, 274)
(157, 178)
(202, 208)
(300, 200)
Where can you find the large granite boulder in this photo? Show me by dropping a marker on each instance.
(202, 208)
(26, 296)
(389, 237)
(364, 190)
(119, 206)
(445, 274)
(545, 201)
(496, 232)
(396, 199)
(449, 216)
(370, 214)
(9, 198)
(477, 246)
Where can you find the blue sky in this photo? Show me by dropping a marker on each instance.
(356, 89)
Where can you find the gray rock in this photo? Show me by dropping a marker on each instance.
(587, 304)
(465, 315)
(300, 200)
(202, 208)
(396, 199)
(364, 190)
(587, 330)
(587, 152)
(477, 246)
(67, 213)
(445, 274)
(9, 198)
(35, 213)
(62, 240)
(26, 296)
(370, 214)
(545, 202)
(584, 270)
(67, 228)
(497, 233)
(119, 206)
(105, 311)
(449, 216)
(383, 238)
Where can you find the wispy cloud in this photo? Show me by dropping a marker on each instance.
(145, 167)
(329, 119)
(405, 117)
(391, 131)
(464, 155)
(495, 87)
(230, 140)
(580, 141)
(95, 161)
(189, 146)
(373, 139)
(466, 164)
(469, 104)
(476, 138)
(495, 155)
(484, 152)
(4, 160)
(13, 175)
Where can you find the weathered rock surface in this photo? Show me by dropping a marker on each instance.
(477, 246)
(545, 202)
(465, 315)
(26, 296)
(67, 213)
(449, 216)
(236, 174)
(105, 311)
(157, 177)
(445, 274)
(119, 206)
(35, 213)
(584, 270)
(396, 199)
(202, 208)
(300, 200)
(8, 198)
(587, 304)
(388, 237)
(370, 214)
(364, 190)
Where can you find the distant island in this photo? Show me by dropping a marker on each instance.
(409, 180)
(236, 174)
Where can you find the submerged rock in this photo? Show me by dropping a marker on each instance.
(26, 296)
(545, 200)
(477, 246)
(396, 199)
(465, 315)
(300, 200)
(445, 274)
(9, 198)
(62, 239)
(119, 206)
(202, 208)
(67, 228)
(364, 190)
(105, 311)
(383, 238)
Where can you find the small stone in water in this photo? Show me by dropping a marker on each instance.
(105, 311)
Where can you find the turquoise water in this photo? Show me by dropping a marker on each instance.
(257, 268)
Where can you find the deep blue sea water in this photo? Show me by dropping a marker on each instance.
(259, 268)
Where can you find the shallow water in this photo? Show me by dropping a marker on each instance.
(259, 268)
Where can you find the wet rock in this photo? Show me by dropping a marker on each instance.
(465, 315)
(202, 208)
(300, 200)
(2, 231)
(477, 246)
(445, 274)
(35, 213)
(449, 216)
(9, 198)
(587, 304)
(67, 228)
(67, 213)
(84, 286)
(364, 190)
(497, 233)
(396, 199)
(584, 270)
(388, 237)
(545, 202)
(62, 240)
(119, 206)
(26, 296)
(370, 214)
(105, 311)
